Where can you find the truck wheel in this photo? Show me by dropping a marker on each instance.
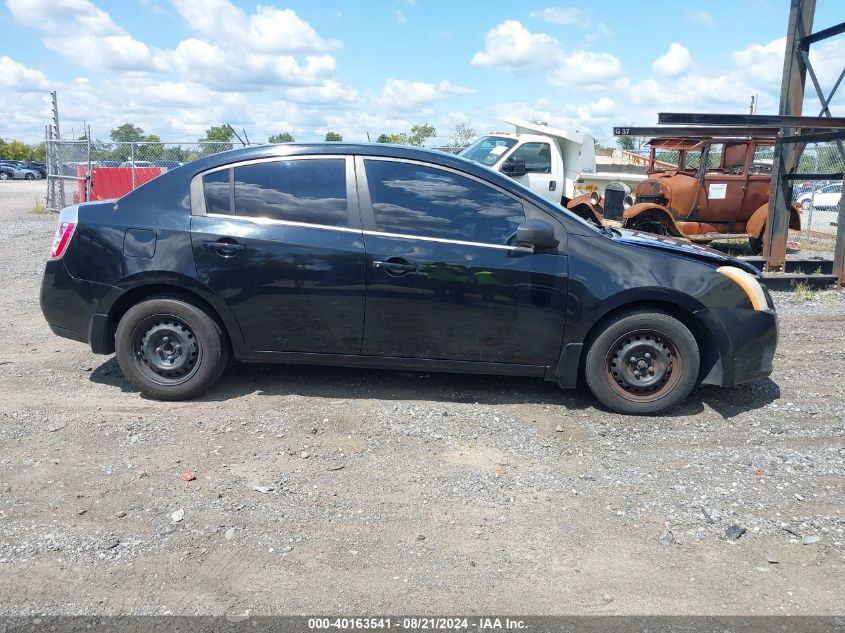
(643, 362)
(170, 349)
(756, 243)
(806, 204)
(649, 226)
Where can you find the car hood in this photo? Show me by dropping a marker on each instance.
(682, 248)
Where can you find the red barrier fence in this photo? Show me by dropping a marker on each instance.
(112, 182)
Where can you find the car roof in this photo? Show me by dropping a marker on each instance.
(386, 150)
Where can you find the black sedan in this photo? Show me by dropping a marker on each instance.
(383, 256)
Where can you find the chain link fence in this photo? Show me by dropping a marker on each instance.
(79, 171)
(819, 199)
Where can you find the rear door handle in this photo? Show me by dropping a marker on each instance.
(224, 248)
(396, 266)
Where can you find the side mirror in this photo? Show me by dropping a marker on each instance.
(514, 168)
(536, 233)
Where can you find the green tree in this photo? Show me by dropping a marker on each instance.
(283, 137)
(333, 136)
(126, 133)
(461, 137)
(221, 136)
(420, 133)
(150, 149)
(39, 152)
(397, 139)
(626, 142)
(16, 150)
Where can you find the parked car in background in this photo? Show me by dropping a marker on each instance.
(703, 189)
(21, 170)
(41, 168)
(394, 257)
(826, 197)
(6, 173)
(166, 165)
(137, 163)
(108, 163)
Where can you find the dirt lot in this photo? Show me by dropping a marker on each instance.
(333, 490)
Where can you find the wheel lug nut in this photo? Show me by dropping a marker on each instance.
(166, 339)
(647, 355)
(637, 374)
(158, 350)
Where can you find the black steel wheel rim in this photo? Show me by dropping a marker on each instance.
(166, 350)
(643, 365)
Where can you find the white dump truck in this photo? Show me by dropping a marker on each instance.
(557, 164)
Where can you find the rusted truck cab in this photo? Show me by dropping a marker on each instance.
(700, 189)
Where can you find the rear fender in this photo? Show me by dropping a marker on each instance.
(758, 219)
(650, 211)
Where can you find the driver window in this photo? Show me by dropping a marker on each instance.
(537, 157)
(419, 200)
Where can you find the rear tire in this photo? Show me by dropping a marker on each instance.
(170, 349)
(756, 243)
(642, 362)
(29, 177)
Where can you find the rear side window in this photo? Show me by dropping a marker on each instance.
(419, 200)
(312, 191)
(216, 189)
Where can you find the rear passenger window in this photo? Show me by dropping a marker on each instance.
(311, 190)
(216, 188)
(419, 200)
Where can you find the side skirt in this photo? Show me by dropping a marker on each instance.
(396, 362)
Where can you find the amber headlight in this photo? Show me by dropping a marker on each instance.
(748, 283)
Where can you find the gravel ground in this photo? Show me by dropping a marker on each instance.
(335, 490)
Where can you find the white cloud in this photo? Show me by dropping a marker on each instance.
(762, 62)
(511, 46)
(220, 68)
(555, 15)
(16, 77)
(702, 17)
(329, 92)
(674, 62)
(587, 69)
(268, 30)
(447, 88)
(83, 34)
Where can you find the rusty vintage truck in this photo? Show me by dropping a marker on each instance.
(702, 189)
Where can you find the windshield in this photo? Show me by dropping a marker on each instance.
(488, 149)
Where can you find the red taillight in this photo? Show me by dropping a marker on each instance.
(64, 231)
(63, 234)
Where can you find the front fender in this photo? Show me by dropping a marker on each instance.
(584, 208)
(649, 210)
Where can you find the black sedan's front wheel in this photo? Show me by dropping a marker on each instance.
(170, 349)
(642, 363)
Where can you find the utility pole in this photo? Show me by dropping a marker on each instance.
(56, 185)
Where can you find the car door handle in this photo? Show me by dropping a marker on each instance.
(396, 266)
(224, 248)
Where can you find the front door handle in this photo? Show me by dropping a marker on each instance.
(396, 266)
(225, 247)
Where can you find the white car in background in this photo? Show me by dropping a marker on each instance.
(826, 197)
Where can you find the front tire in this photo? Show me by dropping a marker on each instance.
(29, 177)
(643, 362)
(806, 204)
(170, 349)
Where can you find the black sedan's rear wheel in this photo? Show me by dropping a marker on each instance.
(642, 363)
(170, 349)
